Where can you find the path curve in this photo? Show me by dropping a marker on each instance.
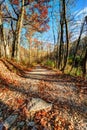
(50, 86)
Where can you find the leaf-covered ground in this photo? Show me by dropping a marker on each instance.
(18, 85)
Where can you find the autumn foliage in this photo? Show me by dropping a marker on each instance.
(36, 13)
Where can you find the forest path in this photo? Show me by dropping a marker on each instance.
(69, 105)
(61, 91)
(60, 87)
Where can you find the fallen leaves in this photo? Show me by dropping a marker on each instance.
(14, 92)
(52, 120)
(25, 112)
(20, 100)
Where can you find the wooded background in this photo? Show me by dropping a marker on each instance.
(33, 16)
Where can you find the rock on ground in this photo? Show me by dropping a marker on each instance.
(37, 104)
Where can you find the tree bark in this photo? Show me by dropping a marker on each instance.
(84, 64)
(13, 46)
(67, 38)
(77, 44)
(61, 36)
(16, 43)
(2, 37)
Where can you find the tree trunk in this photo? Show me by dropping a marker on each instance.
(53, 36)
(77, 44)
(18, 33)
(2, 52)
(84, 63)
(67, 38)
(13, 46)
(2, 37)
(29, 53)
(61, 36)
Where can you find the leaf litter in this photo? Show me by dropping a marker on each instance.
(66, 94)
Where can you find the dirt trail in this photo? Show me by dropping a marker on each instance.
(61, 92)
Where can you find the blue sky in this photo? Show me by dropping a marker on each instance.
(79, 6)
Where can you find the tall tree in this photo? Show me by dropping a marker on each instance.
(61, 33)
(3, 44)
(67, 38)
(17, 33)
(28, 13)
(85, 63)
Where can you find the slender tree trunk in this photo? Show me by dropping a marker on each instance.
(13, 46)
(2, 37)
(53, 35)
(84, 67)
(37, 53)
(67, 38)
(6, 46)
(2, 53)
(77, 45)
(18, 33)
(0, 32)
(29, 53)
(57, 52)
(61, 43)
